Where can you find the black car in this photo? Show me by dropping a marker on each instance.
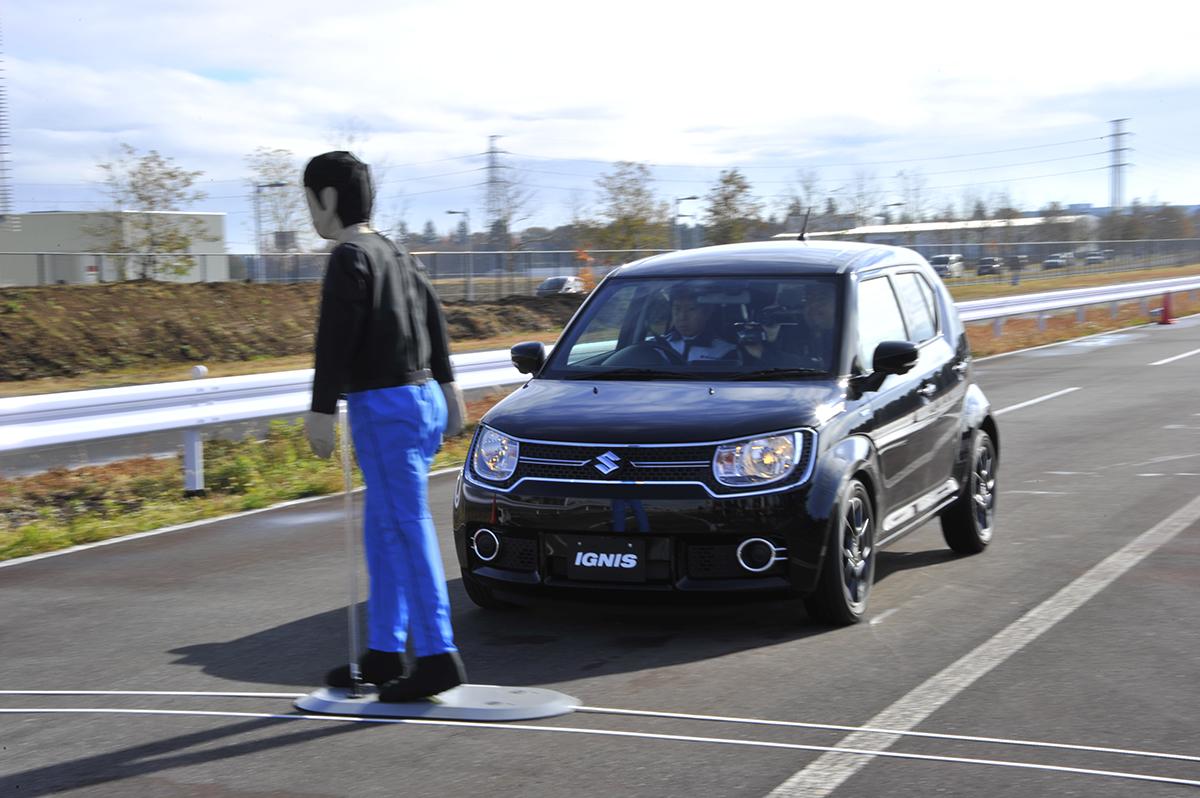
(988, 265)
(743, 418)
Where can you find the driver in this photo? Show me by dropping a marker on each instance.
(691, 335)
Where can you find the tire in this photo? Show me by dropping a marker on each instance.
(967, 525)
(482, 596)
(848, 570)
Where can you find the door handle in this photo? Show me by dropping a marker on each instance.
(927, 390)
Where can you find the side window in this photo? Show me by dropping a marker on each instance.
(917, 307)
(878, 318)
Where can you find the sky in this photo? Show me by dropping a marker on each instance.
(977, 99)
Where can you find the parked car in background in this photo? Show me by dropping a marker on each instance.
(1016, 262)
(950, 265)
(829, 408)
(1055, 261)
(1093, 258)
(560, 285)
(988, 265)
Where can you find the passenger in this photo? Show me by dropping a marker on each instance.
(811, 346)
(759, 344)
(820, 313)
(691, 334)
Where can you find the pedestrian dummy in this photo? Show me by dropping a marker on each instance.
(381, 341)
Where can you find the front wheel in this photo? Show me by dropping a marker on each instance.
(968, 523)
(849, 566)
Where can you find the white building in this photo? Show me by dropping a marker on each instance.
(50, 247)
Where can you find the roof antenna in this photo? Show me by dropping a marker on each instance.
(804, 227)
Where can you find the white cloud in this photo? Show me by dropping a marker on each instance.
(686, 83)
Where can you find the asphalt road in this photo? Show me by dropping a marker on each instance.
(1079, 626)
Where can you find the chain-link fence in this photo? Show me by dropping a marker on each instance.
(492, 275)
(458, 275)
(988, 262)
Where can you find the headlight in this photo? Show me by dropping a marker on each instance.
(756, 461)
(495, 456)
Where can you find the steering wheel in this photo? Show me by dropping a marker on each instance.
(666, 351)
(644, 355)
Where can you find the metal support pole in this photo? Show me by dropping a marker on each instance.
(1041, 321)
(1114, 309)
(351, 548)
(193, 451)
(998, 327)
(1080, 315)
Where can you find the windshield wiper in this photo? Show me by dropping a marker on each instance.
(781, 373)
(625, 373)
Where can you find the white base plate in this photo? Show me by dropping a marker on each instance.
(477, 702)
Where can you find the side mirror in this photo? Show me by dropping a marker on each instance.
(895, 357)
(529, 356)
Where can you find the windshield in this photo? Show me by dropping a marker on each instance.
(940, 259)
(703, 328)
(553, 282)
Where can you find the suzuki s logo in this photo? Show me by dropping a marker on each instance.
(590, 559)
(607, 463)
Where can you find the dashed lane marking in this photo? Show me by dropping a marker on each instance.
(1038, 400)
(1167, 360)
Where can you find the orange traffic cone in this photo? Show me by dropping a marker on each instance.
(1165, 316)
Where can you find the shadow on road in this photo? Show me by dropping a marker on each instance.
(543, 643)
(161, 755)
(546, 641)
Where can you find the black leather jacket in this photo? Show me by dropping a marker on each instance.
(380, 322)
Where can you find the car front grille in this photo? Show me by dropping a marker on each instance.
(683, 463)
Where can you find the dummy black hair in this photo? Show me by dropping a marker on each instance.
(352, 179)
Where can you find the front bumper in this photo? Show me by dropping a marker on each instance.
(683, 540)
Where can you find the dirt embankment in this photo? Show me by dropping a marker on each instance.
(62, 331)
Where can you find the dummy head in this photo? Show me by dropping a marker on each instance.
(339, 190)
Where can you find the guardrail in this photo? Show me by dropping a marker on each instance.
(31, 422)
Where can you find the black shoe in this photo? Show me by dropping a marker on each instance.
(376, 667)
(431, 675)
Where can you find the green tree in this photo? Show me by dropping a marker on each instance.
(281, 208)
(144, 189)
(632, 217)
(732, 211)
(429, 234)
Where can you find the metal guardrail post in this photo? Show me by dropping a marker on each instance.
(193, 451)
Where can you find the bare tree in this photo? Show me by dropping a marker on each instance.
(277, 186)
(866, 196)
(804, 195)
(912, 187)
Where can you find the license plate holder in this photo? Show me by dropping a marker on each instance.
(596, 558)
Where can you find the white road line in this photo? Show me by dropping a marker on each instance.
(614, 733)
(1047, 397)
(879, 618)
(651, 713)
(831, 770)
(190, 525)
(1167, 360)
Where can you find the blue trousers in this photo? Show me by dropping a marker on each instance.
(396, 433)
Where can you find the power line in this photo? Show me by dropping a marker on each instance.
(834, 165)
(789, 182)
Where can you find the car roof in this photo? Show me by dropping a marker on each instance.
(770, 258)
